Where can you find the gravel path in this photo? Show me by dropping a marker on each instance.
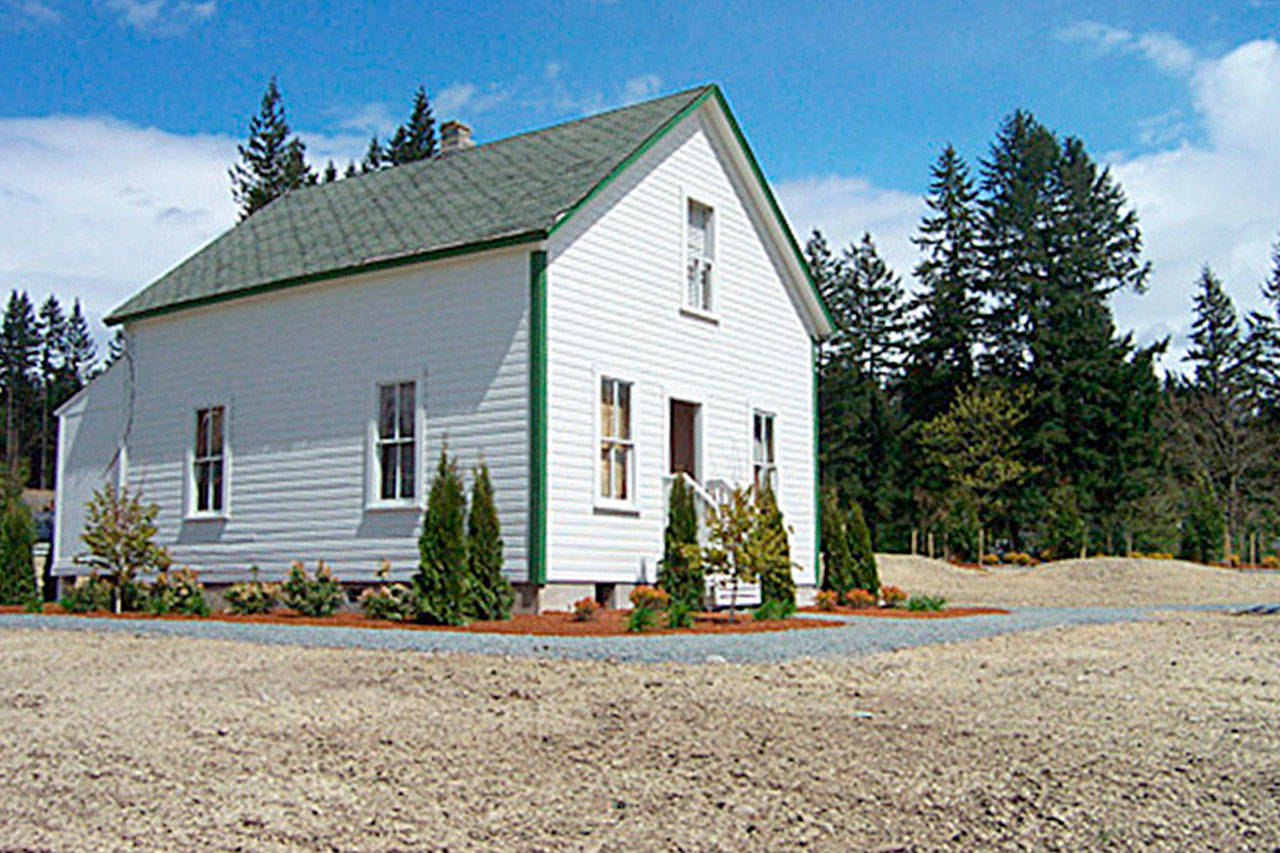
(859, 636)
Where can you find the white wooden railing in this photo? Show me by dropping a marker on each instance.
(708, 498)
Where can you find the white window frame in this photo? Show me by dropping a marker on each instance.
(701, 311)
(600, 500)
(767, 465)
(193, 511)
(374, 501)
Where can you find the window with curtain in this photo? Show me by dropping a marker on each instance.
(617, 447)
(764, 465)
(396, 449)
(209, 468)
(699, 256)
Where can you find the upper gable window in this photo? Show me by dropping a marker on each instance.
(699, 256)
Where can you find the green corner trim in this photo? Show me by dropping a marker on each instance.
(113, 318)
(817, 479)
(537, 546)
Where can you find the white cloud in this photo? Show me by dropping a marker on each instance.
(162, 17)
(844, 207)
(1161, 49)
(97, 208)
(641, 88)
(35, 12)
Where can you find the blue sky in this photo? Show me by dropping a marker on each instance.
(845, 105)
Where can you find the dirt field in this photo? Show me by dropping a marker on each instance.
(1155, 734)
(1099, 581)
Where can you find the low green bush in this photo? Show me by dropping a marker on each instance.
(177, 591)
(252, 596)
(320, 595)
(641, 619)
(926, 603)
(773, 609)
(679, 614)
(393, 602)
(87, 593)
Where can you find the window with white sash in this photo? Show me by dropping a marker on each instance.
(616, 444)
(208, 462)
(764, 460)
(699, 256)
(395, 445)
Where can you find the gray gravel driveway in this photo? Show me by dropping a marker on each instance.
(857, 636)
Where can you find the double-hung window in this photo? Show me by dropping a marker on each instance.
(395, 448)
(764, 460)
(699, 256)
(209, 462)
(617, 445)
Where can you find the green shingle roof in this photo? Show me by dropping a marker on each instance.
(501, 192)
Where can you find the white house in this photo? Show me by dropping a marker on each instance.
(588, 308)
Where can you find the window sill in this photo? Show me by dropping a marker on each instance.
(604, 506)
(393, 506)
(192, 517)
(699, 314)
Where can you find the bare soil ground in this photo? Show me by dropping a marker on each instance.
(1098, 581)
(1159, 734)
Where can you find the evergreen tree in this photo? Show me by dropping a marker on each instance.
(271, 161)
(839, 571)
(330, 173)
(19, 359)
(81, 349)
(352, 170)
(17, 538)
(1216, 346)
(116, 347)
(680, 571)
(54, 381)
(777, 583)
(864, 556)
(946, 310)
(441, 588)
(375, 157)
(491, 595)
(416, 138)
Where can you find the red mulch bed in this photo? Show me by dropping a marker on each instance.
(607, 623)
(897, 613)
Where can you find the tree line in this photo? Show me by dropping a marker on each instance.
(273, 159)
(46, 355)
(999, 402)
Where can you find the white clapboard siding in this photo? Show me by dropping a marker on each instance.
(615, 279)
(297, 370)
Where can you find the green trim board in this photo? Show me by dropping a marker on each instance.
(536, 554)
(327, 275)
(817, 478)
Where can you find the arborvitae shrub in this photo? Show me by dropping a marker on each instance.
(441, 584)
(864, 559)
(491, 594)
(680, 571)
(17, 538)
(839, 573)
(776, 581)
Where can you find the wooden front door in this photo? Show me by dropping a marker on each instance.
(683, 450)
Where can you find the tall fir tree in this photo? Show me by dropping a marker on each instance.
(490, 593)
(19, 361)
(54, 381)
(1216, 346)
(82, 351)
(416, 138)
(272, 161)
(375, 157)
(441, 586)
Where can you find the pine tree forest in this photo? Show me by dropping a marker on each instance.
(992, 399)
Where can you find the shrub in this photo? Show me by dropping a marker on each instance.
(680, 571)
(773, 552)
(177, 591)
(252, 596)
(649, 597)
(440, 586)
(839, 574)
(990, 560)
(1203, 528)
(1270, 561)
(926, 603)
(1018, 558)
(892, 596)
(1064, 525)
(312, 596)
(860, 598)
(585, 609)
(771, 609)
(17, 538)
(491, 595)
(393, 602)
(864, 559)
(679, 615)
(87, 593)
(641, 619)
(826, 600)
(120, 535)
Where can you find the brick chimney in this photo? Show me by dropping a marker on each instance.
(455, 136)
